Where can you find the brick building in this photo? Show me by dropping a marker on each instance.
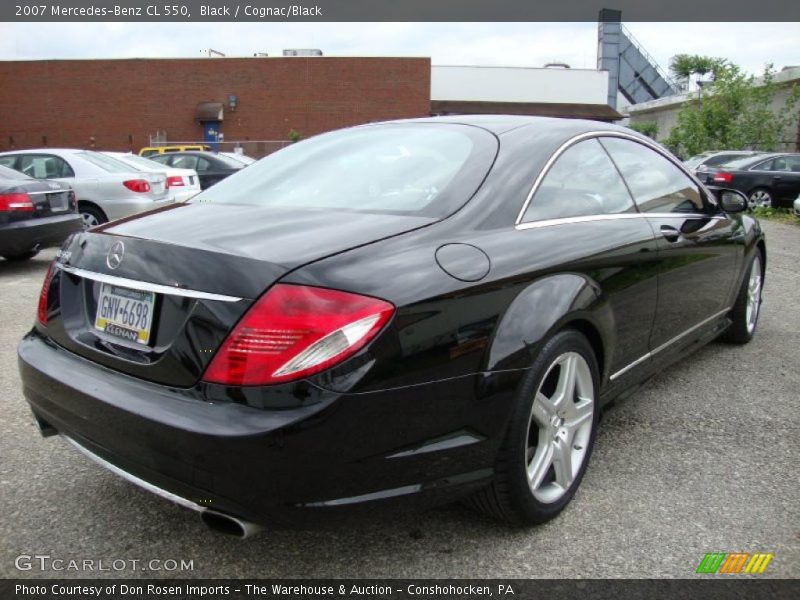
(120, 104)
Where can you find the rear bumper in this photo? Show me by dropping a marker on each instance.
(22, 236)
(342, 456)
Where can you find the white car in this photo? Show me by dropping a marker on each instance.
(106, 188)
(181, 183)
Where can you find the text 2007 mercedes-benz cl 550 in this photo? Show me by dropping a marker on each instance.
(393, 315)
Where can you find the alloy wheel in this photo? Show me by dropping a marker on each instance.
(760, 199)
(89, 220)
(560, 427)
(753, 295)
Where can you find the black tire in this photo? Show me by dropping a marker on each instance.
(91, 213)
(510, 497)
(740, 330)
(22, 256)
(760, 197)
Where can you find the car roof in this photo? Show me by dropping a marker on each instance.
(500, 124)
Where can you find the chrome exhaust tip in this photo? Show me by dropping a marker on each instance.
(229, 525)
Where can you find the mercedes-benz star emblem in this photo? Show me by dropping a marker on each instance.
(115, 255)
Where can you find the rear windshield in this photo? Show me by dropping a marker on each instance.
(112, 165)
(424, 169)
(742, 163)
(141, 162)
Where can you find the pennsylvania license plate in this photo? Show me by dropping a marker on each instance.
(125, 313)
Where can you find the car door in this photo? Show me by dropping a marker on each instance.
(785, 174)
(699, 247)
(582, 217)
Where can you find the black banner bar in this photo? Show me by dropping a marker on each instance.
(744, 588)
(713, 11)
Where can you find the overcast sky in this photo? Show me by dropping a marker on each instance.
(515, 44)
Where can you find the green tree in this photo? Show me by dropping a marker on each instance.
(732, 113)
(648, 128)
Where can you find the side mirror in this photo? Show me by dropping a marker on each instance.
(731, 201)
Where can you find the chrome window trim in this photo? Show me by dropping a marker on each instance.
(612, 217)
(39, 193)
(667, 344)
(598, 134)
(144, 285)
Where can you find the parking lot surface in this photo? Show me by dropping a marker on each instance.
(704, 458)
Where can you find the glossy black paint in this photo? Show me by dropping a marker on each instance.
(783, 185)
(22, 231)
(417, 416)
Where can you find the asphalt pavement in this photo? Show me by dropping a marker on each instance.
(704, 459)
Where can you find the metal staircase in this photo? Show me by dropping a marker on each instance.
(631, 70)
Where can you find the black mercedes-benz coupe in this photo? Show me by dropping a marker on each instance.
(392, 315)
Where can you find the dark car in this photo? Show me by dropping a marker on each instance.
(211, 167)
(768, 180)
(702, 163)
(34, 214)
(389, 316)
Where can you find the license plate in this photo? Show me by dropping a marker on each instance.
(125, 313)
(58, 201)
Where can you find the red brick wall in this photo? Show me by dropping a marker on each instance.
(72, 101)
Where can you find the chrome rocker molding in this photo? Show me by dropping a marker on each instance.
(666, 344)
(144, 285)
(215, 520)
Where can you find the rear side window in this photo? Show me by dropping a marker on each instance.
(183, 162)
(583, 181)
(8, 161)
(790, 164)
(43, 166)
(657, 185)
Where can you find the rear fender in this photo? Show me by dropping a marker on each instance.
(540, 310)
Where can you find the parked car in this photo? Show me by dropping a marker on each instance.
(34, 214)
(242, 158)
(767, 180)
(106, 188)
(797, 206)
(706, 161)
(181, 183)
(396, 314)
(153, 150)
(211, 168)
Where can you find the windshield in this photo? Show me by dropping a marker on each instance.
(112, 165)
(387, 168)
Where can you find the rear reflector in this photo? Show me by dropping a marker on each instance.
(722, 177)
(293, 331)
(16, 202)
(41, 311)
(137, 185)
(174, 181)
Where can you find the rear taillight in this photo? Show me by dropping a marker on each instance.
(16, 202)
(174, 181)
(137, 185)
(293, 331)
(722, 177)
(41, 311)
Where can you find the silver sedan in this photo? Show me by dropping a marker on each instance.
(106, 188)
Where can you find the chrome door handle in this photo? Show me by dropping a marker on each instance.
(670, 233)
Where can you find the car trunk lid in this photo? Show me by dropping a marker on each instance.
(155, 296)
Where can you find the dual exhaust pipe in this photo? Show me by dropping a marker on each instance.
(229, 525)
